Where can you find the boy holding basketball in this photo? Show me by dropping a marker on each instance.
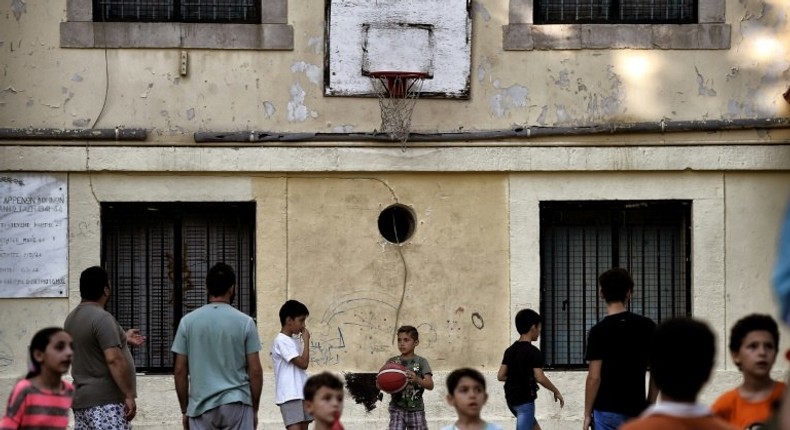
(407, 410)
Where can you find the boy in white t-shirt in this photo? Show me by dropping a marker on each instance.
(291, 356)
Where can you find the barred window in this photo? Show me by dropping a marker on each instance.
(158, 255)
(581, 240)
(615, 11)
(199, 11)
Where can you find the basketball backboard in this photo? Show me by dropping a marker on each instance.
(422, 36)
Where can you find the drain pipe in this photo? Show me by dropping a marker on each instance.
(119, 134)
(515, 133)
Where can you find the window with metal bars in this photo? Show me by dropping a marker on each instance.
(158, 255)
(615, 11)
(199, 11)
(580, 240)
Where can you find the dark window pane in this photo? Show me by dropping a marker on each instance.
(202, 11)
(158, 254)
(580, 240)
(615, 11)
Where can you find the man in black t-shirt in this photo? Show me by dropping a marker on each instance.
(617, 351)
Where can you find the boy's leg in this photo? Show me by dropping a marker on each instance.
(397, 419)
(525, 416)
(294, 415)
(415, 420)
(603, 420)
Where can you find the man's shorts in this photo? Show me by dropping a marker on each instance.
(233, 416)
(293, 412)
(104, 417)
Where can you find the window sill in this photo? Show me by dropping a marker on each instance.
(88, 34)
(529, 37)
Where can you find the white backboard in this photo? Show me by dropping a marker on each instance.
(427, 36)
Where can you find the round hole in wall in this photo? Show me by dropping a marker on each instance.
(396, 223)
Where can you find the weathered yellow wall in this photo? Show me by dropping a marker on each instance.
(46, 86)
(353, 280)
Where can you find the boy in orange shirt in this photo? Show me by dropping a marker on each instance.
(754, 340)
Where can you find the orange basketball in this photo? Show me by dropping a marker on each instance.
(392, 378)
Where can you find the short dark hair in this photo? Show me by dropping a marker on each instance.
(92, 283)
(323, 379)
(681, 357)
(750, 323)
(410, 330)
(39, 343)
(525, 319)
(615, 284)
(219, 279)
(292, 309)
(455, 377)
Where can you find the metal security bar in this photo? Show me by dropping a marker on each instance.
(615, 11)
(199, 11)
(581, 240)
(158, 254)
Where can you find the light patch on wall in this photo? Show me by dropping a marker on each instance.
(297, 111)
(317, 43)
(515, 96)
(313, 72)
(640, 72)
(345, 128)
(703, 87)
(483, 68)
(18, 7)
(269, 109)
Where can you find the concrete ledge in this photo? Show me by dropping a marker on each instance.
(88, 34)
(391, 158)
(528, 37)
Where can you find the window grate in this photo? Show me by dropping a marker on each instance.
(158, 255)
(580, 240)
(615, 11)
(198, 11)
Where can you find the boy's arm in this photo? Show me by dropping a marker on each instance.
(501, 375)
(652, 390)
(302, 361)
(544, 380)
(591, 391)
(425, 382)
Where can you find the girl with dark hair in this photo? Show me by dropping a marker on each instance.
(43, 398)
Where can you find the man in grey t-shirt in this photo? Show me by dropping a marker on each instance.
(103, 368)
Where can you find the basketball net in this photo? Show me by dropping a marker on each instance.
(398, 93)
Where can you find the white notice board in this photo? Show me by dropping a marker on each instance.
(33, 235)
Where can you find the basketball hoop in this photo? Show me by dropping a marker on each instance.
(398, 93)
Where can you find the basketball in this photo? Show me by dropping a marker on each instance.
(392, 378)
